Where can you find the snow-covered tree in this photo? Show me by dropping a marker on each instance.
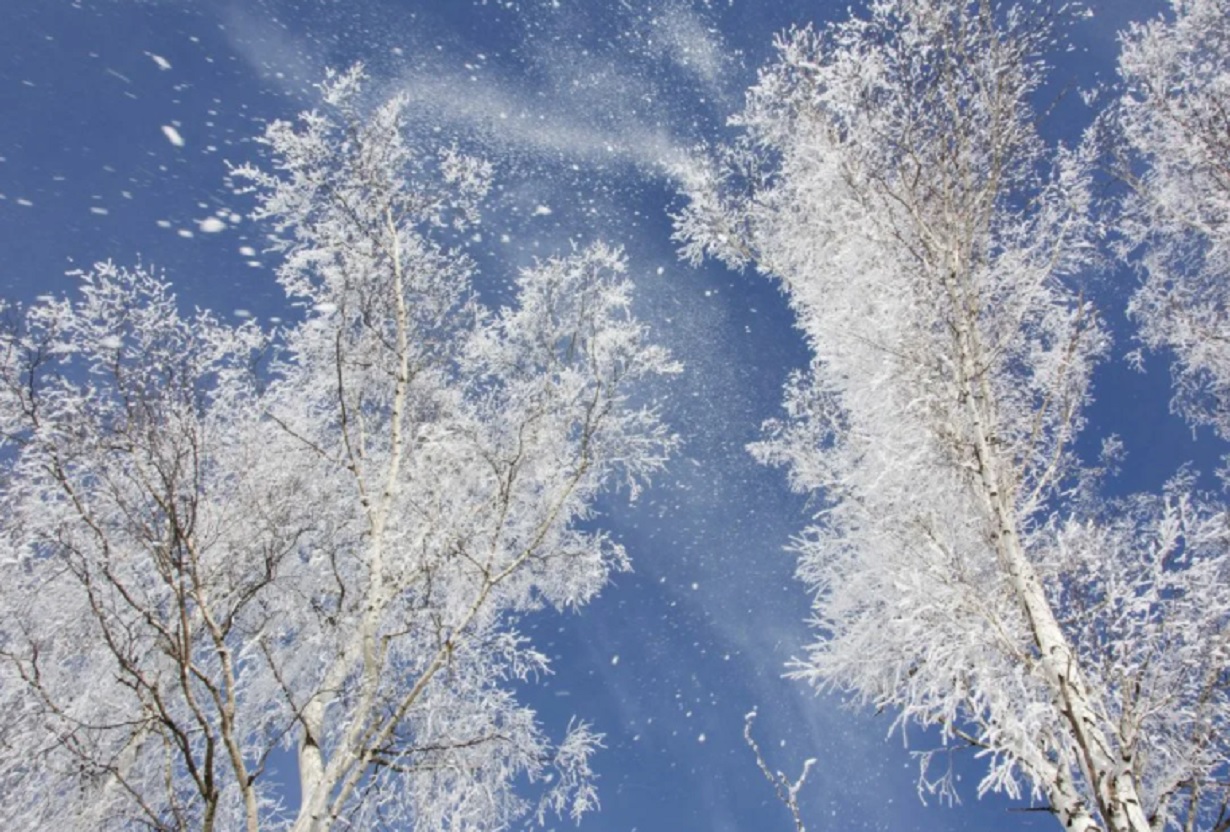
(1174, 120)
(130, 575)
(890, 176)
(218, 543)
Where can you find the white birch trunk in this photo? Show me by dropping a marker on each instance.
(1106, 765)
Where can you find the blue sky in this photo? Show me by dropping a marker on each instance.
(117, 119)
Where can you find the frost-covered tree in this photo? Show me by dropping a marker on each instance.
(1174, 120)
(208, 557)
(131, 578)
(890, 176)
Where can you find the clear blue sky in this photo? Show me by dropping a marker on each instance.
(117, 118)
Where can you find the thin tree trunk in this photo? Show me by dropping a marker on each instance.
(1107, 767)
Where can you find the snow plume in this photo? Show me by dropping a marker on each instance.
(290, 61)
(509, 119)
(684, 37)
(639, 84)
(593, 85)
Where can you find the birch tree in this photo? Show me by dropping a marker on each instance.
(890, 177)
(1174, 121)
(207, 560)
(130, 577)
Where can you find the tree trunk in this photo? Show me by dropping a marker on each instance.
(1106, 766)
